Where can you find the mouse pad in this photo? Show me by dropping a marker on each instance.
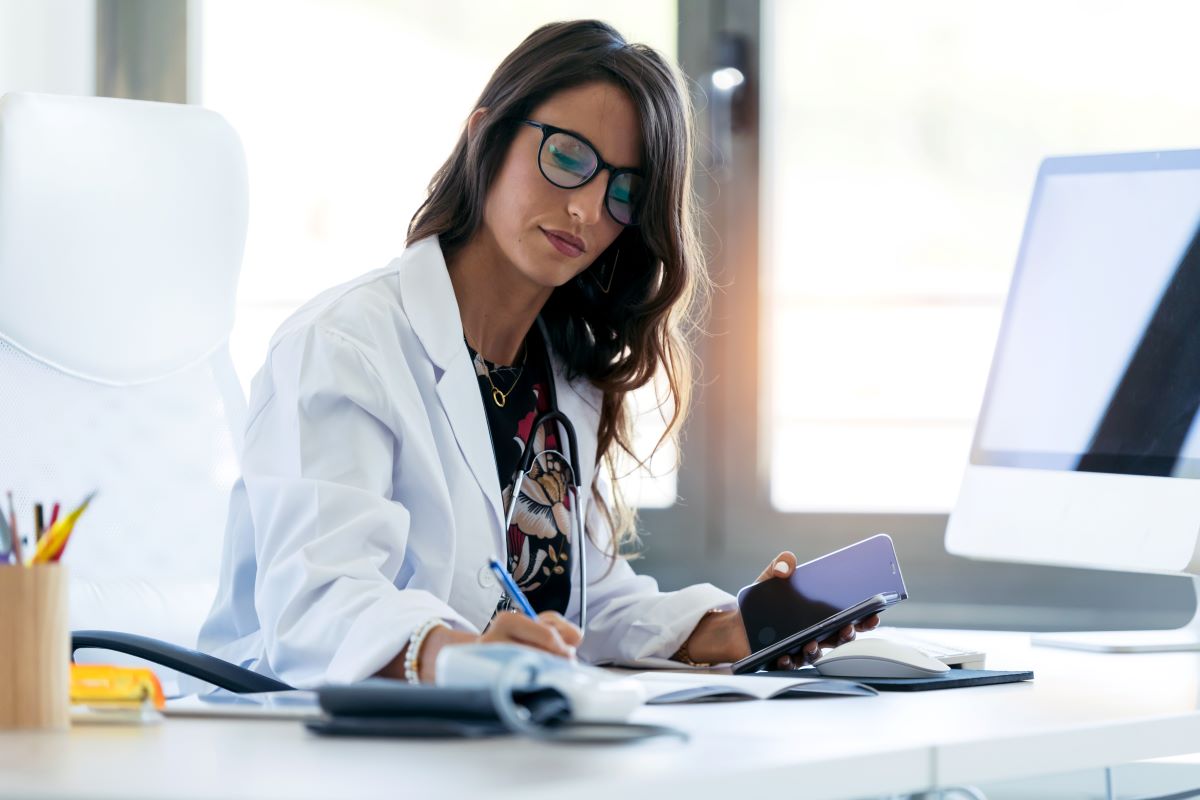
(953, 679)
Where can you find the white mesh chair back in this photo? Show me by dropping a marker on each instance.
(122, 225)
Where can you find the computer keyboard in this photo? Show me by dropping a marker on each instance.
(946, 653)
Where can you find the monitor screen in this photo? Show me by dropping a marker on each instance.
(1097, 368)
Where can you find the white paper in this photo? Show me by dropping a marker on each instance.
(749, 687)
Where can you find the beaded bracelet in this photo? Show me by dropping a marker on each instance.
(412, 663)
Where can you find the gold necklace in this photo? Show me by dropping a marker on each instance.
(498, 397)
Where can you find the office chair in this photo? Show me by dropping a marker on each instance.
(122, 225)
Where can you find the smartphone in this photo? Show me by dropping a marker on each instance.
(820, 597)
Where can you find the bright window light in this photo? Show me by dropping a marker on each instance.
(901, 142)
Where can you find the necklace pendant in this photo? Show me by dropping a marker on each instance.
(498, 398)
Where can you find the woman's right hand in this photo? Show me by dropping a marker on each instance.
(549, 632)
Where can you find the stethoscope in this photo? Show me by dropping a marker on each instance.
(510, 676)
(526, 462)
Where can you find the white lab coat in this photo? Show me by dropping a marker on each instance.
(369, 500)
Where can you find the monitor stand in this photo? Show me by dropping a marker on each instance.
(1171, 640)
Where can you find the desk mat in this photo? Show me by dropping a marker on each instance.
(953, 679)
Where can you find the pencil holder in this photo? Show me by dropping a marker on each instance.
(34, 648)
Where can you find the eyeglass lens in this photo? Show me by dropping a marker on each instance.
(568, 162)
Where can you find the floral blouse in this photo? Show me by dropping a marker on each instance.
(539, 539)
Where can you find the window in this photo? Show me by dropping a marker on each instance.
(900, 145)
(48, 47)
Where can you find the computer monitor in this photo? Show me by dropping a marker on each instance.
(1087, 448)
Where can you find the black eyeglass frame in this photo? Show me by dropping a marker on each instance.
(613, 170)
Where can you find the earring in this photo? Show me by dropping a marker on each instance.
(598, 273)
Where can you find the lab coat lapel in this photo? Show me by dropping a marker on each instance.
(430, 305)
(458, 390)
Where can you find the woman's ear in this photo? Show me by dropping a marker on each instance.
(473, 121)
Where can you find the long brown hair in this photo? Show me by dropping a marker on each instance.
(618, 340)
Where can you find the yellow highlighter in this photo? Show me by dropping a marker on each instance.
(50, 547)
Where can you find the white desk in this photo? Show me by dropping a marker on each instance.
(1083, 711)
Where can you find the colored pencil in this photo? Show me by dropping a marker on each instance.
(16, 536)
(52, 545)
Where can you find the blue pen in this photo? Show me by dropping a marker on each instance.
(510, 588)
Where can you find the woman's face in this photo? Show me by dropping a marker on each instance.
(547, 233)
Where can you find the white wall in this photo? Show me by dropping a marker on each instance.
(48, 46)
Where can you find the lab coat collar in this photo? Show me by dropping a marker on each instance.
(429, 302)
(432, 309)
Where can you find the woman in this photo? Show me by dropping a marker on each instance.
(555, 257)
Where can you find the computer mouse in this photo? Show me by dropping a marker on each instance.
(878, 658)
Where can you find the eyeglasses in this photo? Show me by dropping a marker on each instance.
(569, 161)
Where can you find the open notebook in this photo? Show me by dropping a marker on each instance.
(702, 687)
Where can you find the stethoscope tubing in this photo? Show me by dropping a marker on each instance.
(523, 466)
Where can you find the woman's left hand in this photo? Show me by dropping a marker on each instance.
(721, 637)
(781, 568)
